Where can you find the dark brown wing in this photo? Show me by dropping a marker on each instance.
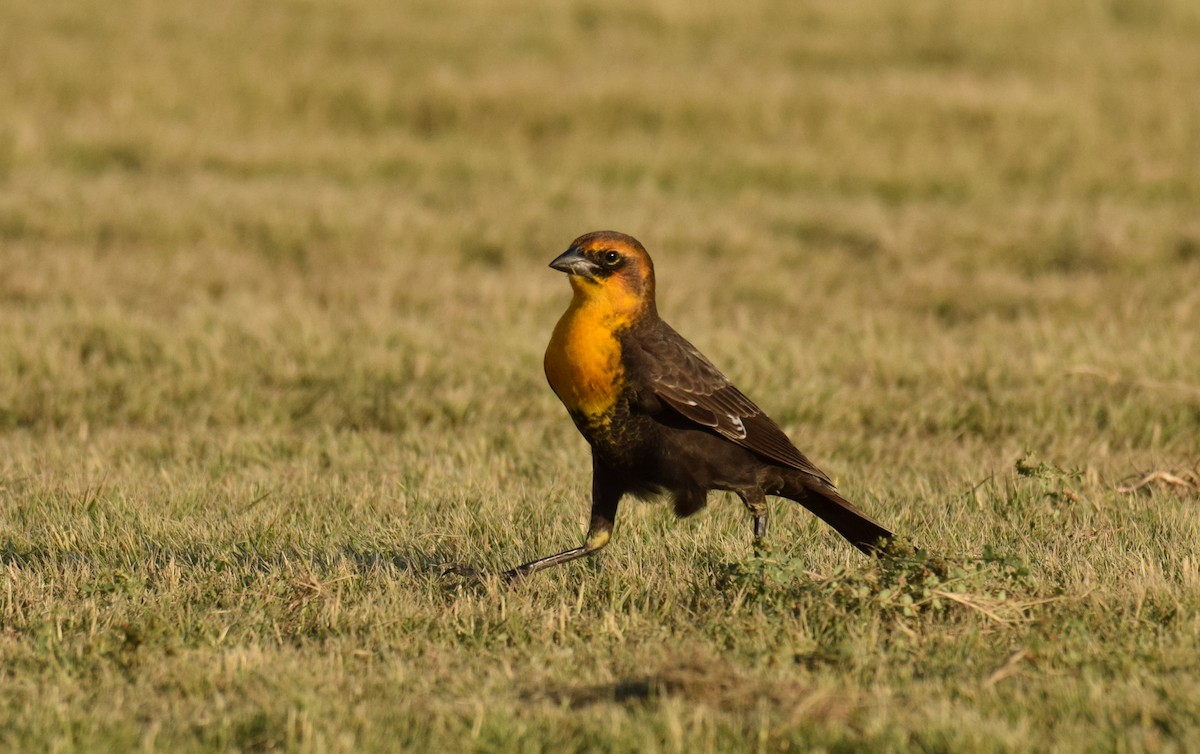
(686, 381)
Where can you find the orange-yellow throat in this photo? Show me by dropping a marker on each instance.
(583, 360)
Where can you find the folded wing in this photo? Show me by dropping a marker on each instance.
(689, 383)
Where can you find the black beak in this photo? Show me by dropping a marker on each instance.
(573, 262)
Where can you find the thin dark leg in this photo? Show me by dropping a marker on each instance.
(597, 537)
(605, 496)
(756, 502)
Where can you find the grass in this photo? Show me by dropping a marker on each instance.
(273, 300)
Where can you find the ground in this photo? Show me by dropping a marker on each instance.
(273, 299)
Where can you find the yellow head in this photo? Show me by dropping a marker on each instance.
(609, 270)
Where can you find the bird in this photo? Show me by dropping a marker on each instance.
(661, 419)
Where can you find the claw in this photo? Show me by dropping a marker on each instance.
(457, 569)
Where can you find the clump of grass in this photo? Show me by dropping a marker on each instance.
(273, 300)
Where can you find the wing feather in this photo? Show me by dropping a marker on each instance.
(685, 380)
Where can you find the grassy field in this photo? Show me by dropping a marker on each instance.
(273, 299)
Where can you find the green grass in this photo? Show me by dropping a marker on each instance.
(273, 299)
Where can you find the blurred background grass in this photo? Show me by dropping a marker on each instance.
(273, 299)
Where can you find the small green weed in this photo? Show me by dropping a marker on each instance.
(906, 583)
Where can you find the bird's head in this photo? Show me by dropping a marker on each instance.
(609, 268)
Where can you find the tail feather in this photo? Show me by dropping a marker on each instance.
(824, 501)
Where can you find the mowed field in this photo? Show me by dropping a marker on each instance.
(273, 302)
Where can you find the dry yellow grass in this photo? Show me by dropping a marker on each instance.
(273, 299)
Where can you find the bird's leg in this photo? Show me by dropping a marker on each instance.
(756, 502)
(597, 537)
(604, 513)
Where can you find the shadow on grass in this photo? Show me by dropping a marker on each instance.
(705, 681)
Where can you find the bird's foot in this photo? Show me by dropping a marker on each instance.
(458, 569)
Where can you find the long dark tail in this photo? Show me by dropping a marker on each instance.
(857, 527)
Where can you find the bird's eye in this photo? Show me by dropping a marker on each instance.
(611, 258)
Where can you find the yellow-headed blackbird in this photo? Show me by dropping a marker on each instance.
(661, 419)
